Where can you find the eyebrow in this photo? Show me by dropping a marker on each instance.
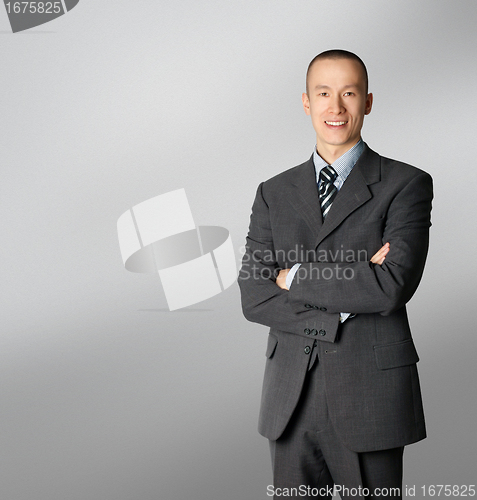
(351, 85)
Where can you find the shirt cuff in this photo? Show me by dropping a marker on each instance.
(289, 280)
(291, 275)
(345, 316)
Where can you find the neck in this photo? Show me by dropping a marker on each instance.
(331, 153)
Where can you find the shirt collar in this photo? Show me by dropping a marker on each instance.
(343, 165)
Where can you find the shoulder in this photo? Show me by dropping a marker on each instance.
(399, 179)
(284, 181)
(391, 168)
(376, 167)
(290, 175)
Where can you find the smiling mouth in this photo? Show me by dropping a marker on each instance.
(336, 124)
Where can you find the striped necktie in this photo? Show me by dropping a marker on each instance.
(327, 189)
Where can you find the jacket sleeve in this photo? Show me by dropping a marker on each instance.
(262, 300)
(363, 287)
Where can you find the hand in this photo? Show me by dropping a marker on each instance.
(281, 279)
(380, 255)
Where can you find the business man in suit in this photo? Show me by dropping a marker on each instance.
(336, 248)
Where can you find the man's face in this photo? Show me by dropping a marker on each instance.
(337, 102)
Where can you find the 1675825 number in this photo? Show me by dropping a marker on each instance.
(34, 7)
(437, 490)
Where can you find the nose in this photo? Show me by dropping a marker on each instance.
(335, 105)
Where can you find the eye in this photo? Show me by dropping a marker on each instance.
(323, 94)
(349, 93)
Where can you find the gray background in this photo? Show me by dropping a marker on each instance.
(104, 394)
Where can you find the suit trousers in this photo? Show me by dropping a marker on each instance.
(309, 457)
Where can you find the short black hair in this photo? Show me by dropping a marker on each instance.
(339, 54)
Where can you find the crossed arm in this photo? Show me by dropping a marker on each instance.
(381, 285)
(377, 258)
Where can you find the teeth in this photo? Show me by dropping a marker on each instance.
(335, 124)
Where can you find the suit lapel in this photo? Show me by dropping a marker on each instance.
(305, 199)
(353, 193)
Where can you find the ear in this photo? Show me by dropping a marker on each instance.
(306, 103)
(369, 104)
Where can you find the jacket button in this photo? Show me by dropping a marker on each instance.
(313, 332)
(322, 308)
(307, 331)
(308, 306)
(307, 349)
(322, 332)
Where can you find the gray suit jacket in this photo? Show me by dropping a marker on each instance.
(371, 376)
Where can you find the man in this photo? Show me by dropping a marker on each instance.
(341, 394)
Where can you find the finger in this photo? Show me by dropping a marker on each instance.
(381, 258)
(378, 255)
(378, 258)
(382, 251)
(281, 283)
